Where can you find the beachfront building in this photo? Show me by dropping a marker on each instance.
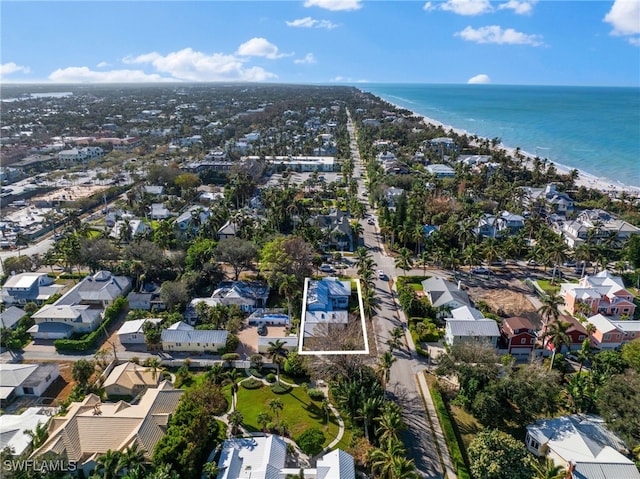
(603, 292)
(596, 226)
(441, 171)
(548, 200)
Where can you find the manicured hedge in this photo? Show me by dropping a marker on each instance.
(251, 383)
(450, 434)
(89, 340)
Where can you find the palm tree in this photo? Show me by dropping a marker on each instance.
(370, 303)
(403, 260)
(38, 435)
(585, 352)
(153, 365)
(548, 470)
(403, 468)
(231, 377)
(276, 405)
(390, 422)
(367, 411)
(549, 310)
(558, 336)
(211, 470)
(288, 286)
(235, 420)
(263, 419)
(381, 459)
(132, 458)
(384, 367)
(107, 464)
(277, 354)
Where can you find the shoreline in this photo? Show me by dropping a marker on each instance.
(585, 179)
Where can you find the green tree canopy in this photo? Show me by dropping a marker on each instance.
(497, 455)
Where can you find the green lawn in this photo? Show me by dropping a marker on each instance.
(299, 412)
(547, 287)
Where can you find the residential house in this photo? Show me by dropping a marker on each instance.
(337, 229)
(606, 335)
(391, 195)
(130, 379)
(9, 317)
(26, 379)
(13, 427)
(23, 288)
(91, 428)
(441, 171)
(154, 190)
(468, 324)
(582, 445)
(576, 332)
(81, 308)
(261, 457)
(228, 230)
(159, 212)
(548, 200)
(443, 145)
(137, 227)
(473, 160)
(132, 332)
(248, 295)
(444, 294)
(300, 163)
(603, 292)
(597, 226)
(518, 336)
(630, 329)
(146, 301)
(506, 224)
(206, 341)
(326, 302)
(192, 218)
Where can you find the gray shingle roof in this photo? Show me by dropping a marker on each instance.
(208, 336)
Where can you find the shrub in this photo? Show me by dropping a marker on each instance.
(251, 383)
(230, 357)
(316, 394)
(279, 388)
(311, 441)
(271, 377)
(256, 373)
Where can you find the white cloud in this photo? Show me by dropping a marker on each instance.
(191, 65)
(335, 5)
(103, 65)
(307, 60)
(429, 7)
(635, 41)
(495, 34)
(86, 75)
(624, 17)
(308, 22)
(478, 79)
(259, 47)
(467, 7)
(188, 64)
(11, 67)
(521, 7)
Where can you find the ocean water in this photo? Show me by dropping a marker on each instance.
(593, 129)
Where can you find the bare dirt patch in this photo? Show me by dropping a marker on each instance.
(506, 301)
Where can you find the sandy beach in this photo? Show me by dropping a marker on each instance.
(584, 179)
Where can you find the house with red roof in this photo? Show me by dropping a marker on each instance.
(518, 336)
(577, 334)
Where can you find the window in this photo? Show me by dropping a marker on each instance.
(533, 443)
(523, 341)
(581, 337)
(607, 337)
(28, 391)
(531, 341)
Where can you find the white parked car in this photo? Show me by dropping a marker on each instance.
(381, 274)
(326, 268)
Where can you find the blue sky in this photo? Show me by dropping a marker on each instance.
(323, 41)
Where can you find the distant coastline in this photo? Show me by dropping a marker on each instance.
(421, 98)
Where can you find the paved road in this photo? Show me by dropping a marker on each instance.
(37, 248)
(402, 384)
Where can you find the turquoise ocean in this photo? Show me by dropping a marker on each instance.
(593, 129)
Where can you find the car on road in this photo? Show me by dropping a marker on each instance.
(381, 274)
(532, 262)
(326, 268)
(569, 264)
(481, 270)
(262, 330)
(371, 221)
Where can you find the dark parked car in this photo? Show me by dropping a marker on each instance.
(262, 330)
